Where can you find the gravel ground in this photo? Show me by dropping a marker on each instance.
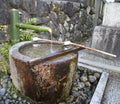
(83, 88)
(8, 93)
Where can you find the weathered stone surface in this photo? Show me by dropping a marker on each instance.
(70, 9)
(4, 4)
(83, 16)
(4, 18)
(70, 19)
(111, 15)
(54, 18)
(4, 11)
(84, 78)
(2, 37)
(35, 7)
(29, 6)
(43, 20)
(24, 15)
(2, 91)
(61, 17)
(42, 8)
(15, 3)
(107, 39)
(92, 78)
(55, 7)
(75, 18)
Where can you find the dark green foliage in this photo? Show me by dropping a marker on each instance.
(32, 21)
(4, 68)
(4, 50)
(26, 36)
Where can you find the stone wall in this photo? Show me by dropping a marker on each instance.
(69, 20)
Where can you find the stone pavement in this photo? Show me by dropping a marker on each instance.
(112, 90)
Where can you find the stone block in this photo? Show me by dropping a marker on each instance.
(107, 39)
(3, 37)
(111, 15)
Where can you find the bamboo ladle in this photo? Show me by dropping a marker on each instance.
(79, 45)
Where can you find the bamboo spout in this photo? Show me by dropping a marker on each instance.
(15, 25)
(32, 27)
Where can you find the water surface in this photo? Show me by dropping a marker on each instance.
(42, 50)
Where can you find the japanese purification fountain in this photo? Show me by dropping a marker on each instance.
(42, 73)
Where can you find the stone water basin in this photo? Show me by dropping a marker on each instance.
(41, 73)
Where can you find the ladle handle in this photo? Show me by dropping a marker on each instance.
(82, 46)
(93, 49)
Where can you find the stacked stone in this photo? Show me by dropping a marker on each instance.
(69, 20)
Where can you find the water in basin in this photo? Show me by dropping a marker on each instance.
(42, 50)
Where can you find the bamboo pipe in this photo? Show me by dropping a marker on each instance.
(32, 27)
(82, 46)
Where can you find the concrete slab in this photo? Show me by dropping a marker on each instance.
(111, 15)
(106, 39)
(112, 91)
